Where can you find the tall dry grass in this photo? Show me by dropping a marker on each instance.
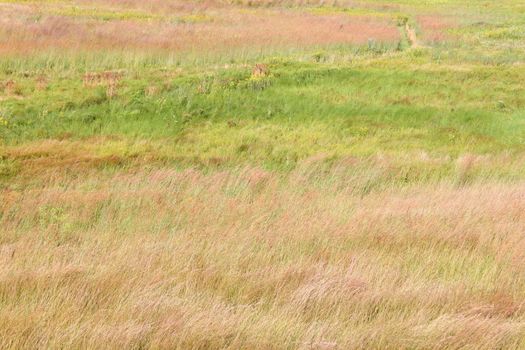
(216, 30)
(253, 259)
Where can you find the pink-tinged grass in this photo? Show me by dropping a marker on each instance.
(434, 28)
(252, 259)
(225, 30)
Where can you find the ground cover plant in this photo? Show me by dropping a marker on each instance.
(262, 174)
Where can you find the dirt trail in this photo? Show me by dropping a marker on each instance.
(412, 37)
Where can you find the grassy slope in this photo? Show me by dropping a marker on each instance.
(396, 106)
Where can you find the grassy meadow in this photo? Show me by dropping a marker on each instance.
(259, 174)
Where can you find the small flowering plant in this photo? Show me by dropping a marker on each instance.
(3, 120)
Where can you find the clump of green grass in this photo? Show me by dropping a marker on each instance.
(309, 108)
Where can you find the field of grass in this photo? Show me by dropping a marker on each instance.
(259, 174)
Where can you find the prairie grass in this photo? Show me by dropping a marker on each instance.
(248, 258)
(262, 174)
(77, 28)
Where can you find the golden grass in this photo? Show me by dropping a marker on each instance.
(252, 259)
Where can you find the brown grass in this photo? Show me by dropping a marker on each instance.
(251, 259)
(92, 79)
